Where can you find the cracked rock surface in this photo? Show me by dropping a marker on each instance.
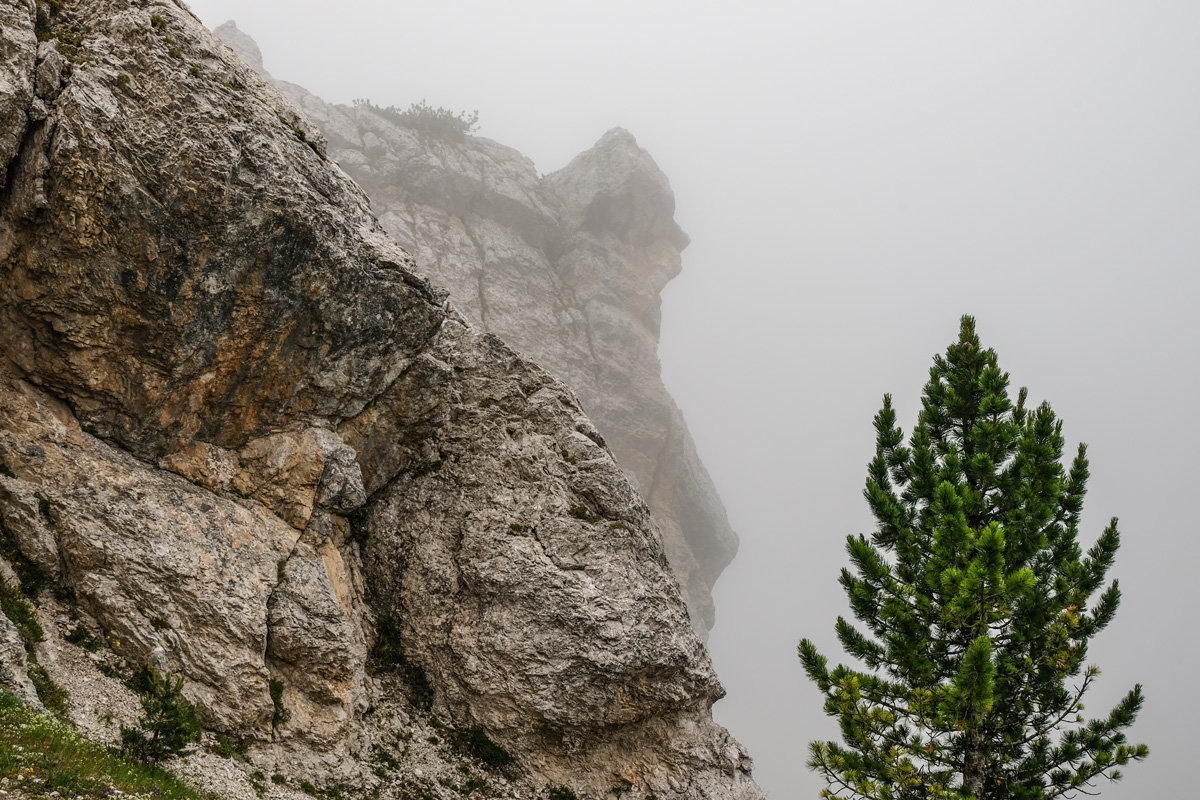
(239, 428)
(567, 268)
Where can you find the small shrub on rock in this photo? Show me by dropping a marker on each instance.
(430, 121)
(231, 747)
(281, 714)
(584, 513)
(169, 722)
(387, 655)
(474, 741)
(81, 637)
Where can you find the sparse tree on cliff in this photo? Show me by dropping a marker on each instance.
(977, 605)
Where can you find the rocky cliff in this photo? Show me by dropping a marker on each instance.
(244, 442)
(567, 268)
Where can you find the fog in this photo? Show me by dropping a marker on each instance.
(854, 176)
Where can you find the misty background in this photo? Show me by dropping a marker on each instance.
(854, 176)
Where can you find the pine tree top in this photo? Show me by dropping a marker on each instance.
(975, 602)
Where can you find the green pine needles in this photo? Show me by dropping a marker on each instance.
(977, 605)
(169, 721)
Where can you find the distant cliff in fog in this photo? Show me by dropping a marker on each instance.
(568, 268)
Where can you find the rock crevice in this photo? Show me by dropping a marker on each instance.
(568, 268)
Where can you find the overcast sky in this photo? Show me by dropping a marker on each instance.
(854, 176)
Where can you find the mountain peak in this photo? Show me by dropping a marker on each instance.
(243, 44)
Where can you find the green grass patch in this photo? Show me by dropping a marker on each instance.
(53, 757)
(14, 606)
(584, 513)
(387, 653)
(53, 696)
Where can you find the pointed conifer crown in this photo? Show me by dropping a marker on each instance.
(975, 604)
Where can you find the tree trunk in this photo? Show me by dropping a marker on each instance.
(975, 765)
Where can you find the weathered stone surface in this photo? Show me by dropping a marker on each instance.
(291, 472)
(246, 48)
(523, 575)
(241, 310)
(51, 65)
(27, 515)
(18, 57)
(187, 275)
(173, 573)
(204, 465)
(316, 640)
(568, 269)
(13, 660)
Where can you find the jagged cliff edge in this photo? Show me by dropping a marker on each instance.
(567, 268)
(238, 427)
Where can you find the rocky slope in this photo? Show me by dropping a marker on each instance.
(244, 441)
(567, 268)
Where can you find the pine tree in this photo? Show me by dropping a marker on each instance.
(977, 606)
(169, 721)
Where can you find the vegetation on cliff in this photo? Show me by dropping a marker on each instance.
(427, 120)
(42, 754)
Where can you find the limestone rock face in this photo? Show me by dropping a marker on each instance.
(17, 61)
(14, 664)
(179, 577)
(568, 269)
(237, 426)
